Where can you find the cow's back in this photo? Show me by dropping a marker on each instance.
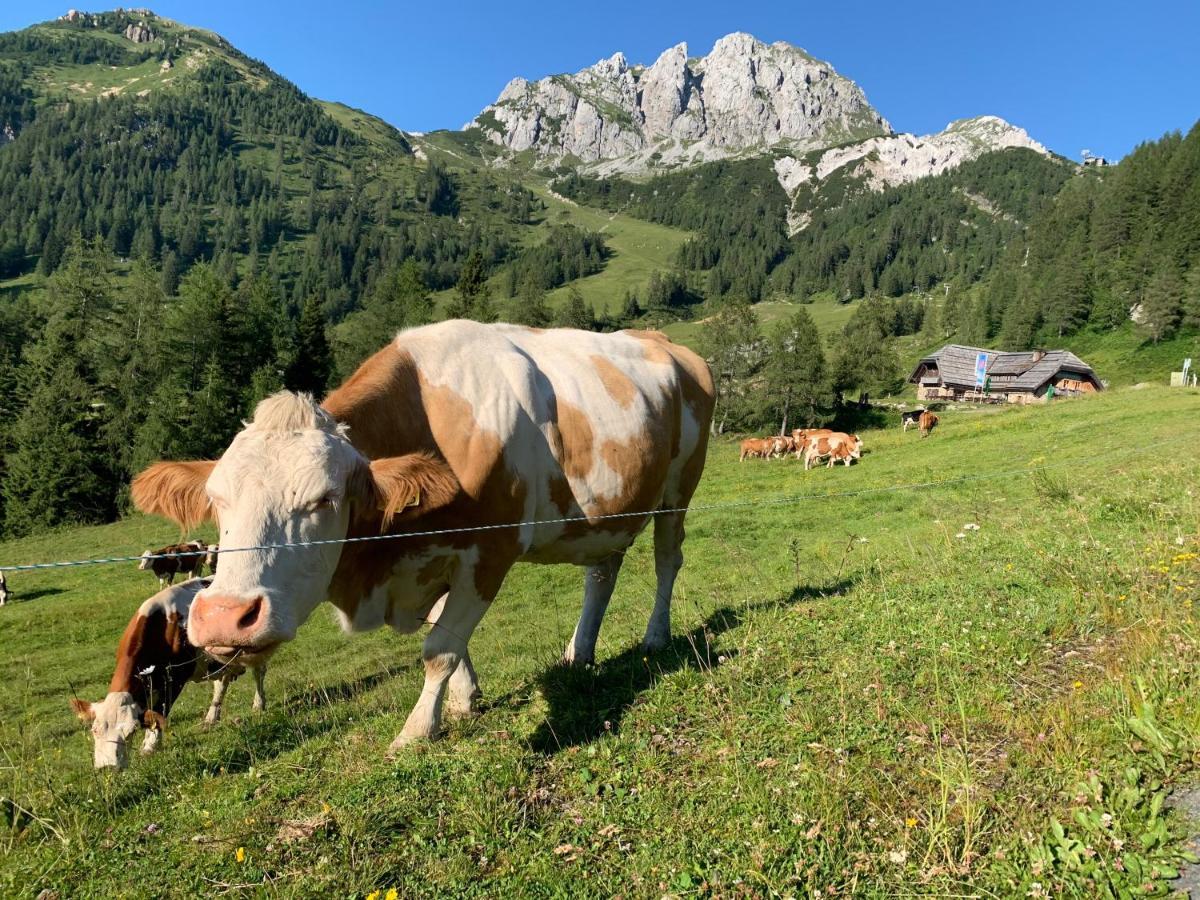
(538, 425)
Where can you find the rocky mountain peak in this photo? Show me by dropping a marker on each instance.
(743, 94)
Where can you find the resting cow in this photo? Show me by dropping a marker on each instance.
(451, 426)
(166, 562)
(927, 423)
(154, 663)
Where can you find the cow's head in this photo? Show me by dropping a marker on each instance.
(144, 562)
(113, 721)
(290, 476)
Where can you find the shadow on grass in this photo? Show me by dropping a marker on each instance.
(26, 596)
(587, 702)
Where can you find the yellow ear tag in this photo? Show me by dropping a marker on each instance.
(415, 501)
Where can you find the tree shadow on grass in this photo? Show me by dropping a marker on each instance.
(587, 702)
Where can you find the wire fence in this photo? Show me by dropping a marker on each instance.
(593, 520)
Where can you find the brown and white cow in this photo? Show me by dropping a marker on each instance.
(451, 426)
(800, 438)
(927, 423)
(174, 559)
(835, 446)
(155, 662)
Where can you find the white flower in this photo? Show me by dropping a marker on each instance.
(960, 535)
(970, 526)
(897, 856)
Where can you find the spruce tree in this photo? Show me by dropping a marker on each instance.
(311, 367)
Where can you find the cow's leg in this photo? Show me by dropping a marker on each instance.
(465, 694)
(260, 689)
(220, 686)
(151, 741)
(668, 558)
(598, 584)
(445, 647)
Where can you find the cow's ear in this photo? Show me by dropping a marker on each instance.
(83, 710)
(155, 721)
(175, 490)
(408, 486)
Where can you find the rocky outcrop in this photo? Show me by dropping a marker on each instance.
(744, 94)
(139, 33)
(882, 162)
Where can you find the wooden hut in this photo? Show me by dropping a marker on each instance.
(1021, 377)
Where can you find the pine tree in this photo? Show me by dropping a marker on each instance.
(1162, 304)
(472, 299)
(575, 313)
(311, 367)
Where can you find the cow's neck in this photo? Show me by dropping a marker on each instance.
(381, 405)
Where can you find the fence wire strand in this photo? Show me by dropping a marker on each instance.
(592, 520)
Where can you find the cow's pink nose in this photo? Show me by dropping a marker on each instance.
(226, 621)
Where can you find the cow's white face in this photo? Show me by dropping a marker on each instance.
(144, 564)
(290, 477)
(113, 720)
(274, 487)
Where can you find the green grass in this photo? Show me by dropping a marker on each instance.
(856, 699)
(638, 248)
(828, 315)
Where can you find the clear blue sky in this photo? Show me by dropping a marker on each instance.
(1095, 74)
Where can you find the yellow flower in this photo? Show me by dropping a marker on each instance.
(391, 895)
(374, 895)
(240, 854)
(1078, 685)
(1122, 597)
(910, 822)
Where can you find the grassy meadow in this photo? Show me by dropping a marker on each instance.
(864, 697)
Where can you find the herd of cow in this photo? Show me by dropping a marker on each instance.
(810, 444)
(815, 445)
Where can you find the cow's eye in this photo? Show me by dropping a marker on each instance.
(325, 502)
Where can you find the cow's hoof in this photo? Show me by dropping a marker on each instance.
(581, 661)
(210, 720)
(654, 643)
(468, 710)
(408, 743)
(259, 707)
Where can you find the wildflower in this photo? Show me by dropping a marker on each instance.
(960, 535)
(240, 854)
(374, 895)
(391, 894)
(897, 856)
(1078, 685)
(970, 526)
(910, 822)
(1121, 598)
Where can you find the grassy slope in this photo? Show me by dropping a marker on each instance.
(855, 698)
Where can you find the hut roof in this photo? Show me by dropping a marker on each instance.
(1017, 371)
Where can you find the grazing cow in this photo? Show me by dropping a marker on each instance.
(912, 417)
(154, 663)
(927, 423)
(835, 446)
(166, 564)
(5, 593)
(451, 426)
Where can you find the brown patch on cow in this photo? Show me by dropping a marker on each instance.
(158, 643)
(176, 491)
(392, 410)
(562, 496)
(619, 385)
(576, 439)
